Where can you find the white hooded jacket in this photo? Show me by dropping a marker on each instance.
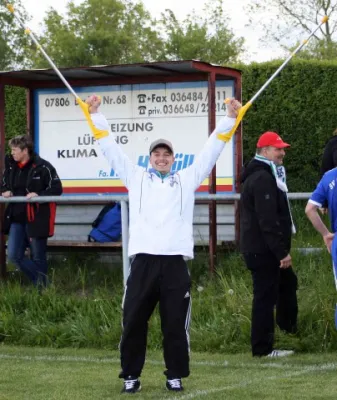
(161, 210)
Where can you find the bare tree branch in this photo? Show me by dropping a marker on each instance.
(296, 16)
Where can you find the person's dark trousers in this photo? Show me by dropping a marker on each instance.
(153, 279)
(271, 286)
(286, 305)
(36, 266)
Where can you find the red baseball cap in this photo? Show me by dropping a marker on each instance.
(271, 139)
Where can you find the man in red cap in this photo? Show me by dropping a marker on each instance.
(266, 226)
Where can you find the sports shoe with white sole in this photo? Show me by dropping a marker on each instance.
(280, 353)
(174, 385)
(131, 385)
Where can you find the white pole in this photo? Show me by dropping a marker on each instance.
(125, 240)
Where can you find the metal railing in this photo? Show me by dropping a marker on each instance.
(106, 198)
(124, 210)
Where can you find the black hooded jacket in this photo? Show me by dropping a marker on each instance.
(37, 176)
(329, 158)
(265, 221)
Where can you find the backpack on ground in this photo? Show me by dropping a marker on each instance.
(107, 227)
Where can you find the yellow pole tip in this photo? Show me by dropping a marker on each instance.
(27, 31)
(80, 102)
(10, 8)
(325, 19)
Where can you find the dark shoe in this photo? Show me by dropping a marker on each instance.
(174, 385)
(131, 385)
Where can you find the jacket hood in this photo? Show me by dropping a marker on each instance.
(253, 166)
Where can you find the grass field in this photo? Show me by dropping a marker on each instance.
(81, 312)
(40, 374)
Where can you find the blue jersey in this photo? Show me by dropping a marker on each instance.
(326, 193)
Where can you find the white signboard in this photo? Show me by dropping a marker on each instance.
(137, 114)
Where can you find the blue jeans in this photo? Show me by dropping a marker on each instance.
(36, 267)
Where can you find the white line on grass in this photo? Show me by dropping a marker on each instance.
(60, 358)
(303, 370)
(300, 369)
(98, 360)
(114, 360)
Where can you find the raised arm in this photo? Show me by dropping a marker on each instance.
(206, 159)
(117, 159)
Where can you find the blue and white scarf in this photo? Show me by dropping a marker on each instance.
(279, 173)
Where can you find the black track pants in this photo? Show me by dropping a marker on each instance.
(272, 286)
(153, 279)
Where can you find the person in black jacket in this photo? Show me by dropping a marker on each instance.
(29, 224)
(265, 241)
(329, 158)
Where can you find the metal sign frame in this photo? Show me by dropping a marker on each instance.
(157, 72)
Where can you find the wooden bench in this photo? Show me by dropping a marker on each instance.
(74, 243)
(81, 245)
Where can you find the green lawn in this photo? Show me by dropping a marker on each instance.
(41, 374)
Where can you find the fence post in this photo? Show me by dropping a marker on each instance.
(125, 240)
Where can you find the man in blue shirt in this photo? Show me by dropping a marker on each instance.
(326, 193)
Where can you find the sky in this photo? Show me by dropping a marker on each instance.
(238, 20)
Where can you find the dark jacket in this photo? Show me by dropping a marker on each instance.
(329, 158)
(265, 221)
(42, 179)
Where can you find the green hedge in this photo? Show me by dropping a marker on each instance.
(300, 104)
(15, 111)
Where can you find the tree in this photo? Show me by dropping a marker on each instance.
(12, 38)
(98, 32)
(206, 37)
(294, 18)
(317, 49)
(120, 31)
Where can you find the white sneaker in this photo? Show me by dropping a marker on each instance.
(131, 385)
(280, 353)
(174, 385)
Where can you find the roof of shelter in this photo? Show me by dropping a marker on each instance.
(120, 71)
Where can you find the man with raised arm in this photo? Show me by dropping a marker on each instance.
(161, 206)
